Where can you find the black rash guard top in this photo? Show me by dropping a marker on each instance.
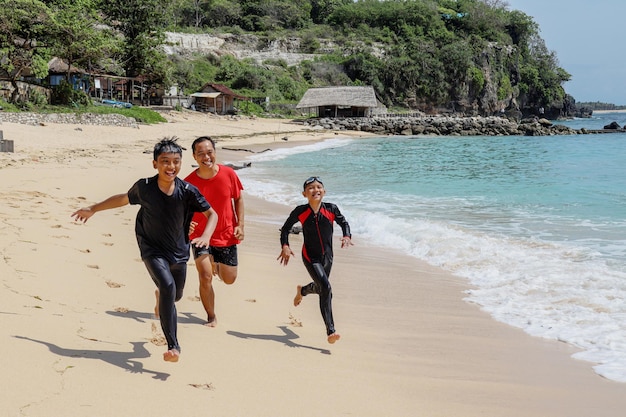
(317, 230)
(163, 220)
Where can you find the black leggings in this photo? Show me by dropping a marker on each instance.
(321, 285)
(170, 280)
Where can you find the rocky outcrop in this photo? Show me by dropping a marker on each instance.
(613, 125)
(37, 119)
(445, 126)
(494, 94)
(250, 46)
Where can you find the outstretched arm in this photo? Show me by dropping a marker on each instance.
(285, 253)
(203, 241)
(114, 201)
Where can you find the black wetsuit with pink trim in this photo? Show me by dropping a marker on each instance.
(317, 250)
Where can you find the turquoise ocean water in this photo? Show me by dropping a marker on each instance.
(537, 225)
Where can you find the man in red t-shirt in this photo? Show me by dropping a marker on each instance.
(222, 188)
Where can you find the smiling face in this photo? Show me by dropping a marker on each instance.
(168, 165)
(204, 154)
(314, 192)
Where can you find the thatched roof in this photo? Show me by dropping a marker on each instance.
(338, 96)
(58, 66)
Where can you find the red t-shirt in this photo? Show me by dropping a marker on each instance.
(219, 192)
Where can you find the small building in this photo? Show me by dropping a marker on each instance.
(343, 101)
(215, 98)
(59, 70)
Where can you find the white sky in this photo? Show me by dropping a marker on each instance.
(588, 38)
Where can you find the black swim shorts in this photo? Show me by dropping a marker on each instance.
(226, 255)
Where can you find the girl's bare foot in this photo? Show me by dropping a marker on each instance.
(171, 355)
(298, 298)
(211, 322)
(332, 338)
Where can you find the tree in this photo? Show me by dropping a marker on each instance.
(24, 24)
(141, 24)
(321, 9)
(224, 13)
(80, 39)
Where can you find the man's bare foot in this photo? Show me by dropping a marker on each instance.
(171, 355)
(156, 306)
(211, 322)
(333, 338)
(298, 298)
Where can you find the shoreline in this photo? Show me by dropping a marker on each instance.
(610, 111)
(78, 302)
(283, 129)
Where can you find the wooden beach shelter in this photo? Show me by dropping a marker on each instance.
(344, 101)
(215, 98)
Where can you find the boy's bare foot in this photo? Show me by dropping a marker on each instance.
(211, 322)
(333, 338)
(298, 298)
(171, 355)
(156, 306)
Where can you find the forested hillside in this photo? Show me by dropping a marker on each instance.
(469, 56)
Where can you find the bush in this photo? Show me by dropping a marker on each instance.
(249, 108)
(65, 95)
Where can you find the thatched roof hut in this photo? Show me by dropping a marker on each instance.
(58, 66)
(345, 101)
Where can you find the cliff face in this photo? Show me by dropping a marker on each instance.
(497, 94)
(239, 46)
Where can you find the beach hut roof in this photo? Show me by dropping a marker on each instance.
(222, 89)
(339, 96)
(206, 95)
(58, 66)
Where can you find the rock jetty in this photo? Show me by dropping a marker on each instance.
(446, 126)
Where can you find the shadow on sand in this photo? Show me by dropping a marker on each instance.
(124, 360)
(286, 339)
(143, 317)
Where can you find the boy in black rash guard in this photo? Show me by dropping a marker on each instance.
(316, 219)
(162, 226)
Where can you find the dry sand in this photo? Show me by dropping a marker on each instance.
(79, 339)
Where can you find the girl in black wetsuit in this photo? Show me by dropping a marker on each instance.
(316, 219)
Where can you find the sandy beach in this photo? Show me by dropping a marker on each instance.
(80, 339)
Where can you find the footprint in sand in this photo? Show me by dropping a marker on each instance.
(294, 321)
(93, 266)
(157, 338)
(208, 386)
(112, 284)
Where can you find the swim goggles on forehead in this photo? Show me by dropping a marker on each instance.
(311, 180)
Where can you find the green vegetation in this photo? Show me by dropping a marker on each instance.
(141, 114)
(417, 54)
(8, 107)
